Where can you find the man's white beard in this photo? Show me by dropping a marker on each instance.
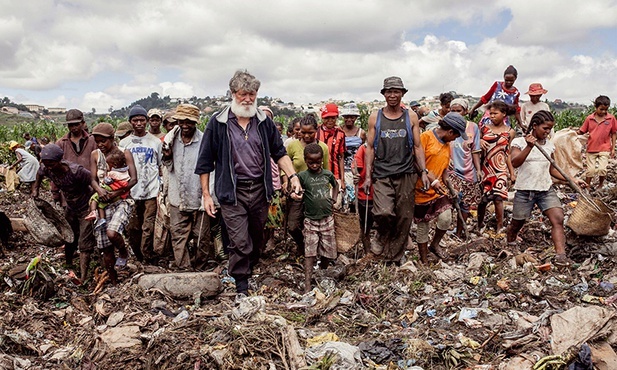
(242, 110)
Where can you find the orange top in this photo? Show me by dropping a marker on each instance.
(437, 154)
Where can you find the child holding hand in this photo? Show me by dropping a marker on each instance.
(602, 129)
(320, 188)
(535, 186)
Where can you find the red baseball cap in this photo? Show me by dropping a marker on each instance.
(329, 110)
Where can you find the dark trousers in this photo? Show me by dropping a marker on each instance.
(295, 223)
(140, 229)
(245, 224)
(393, 204)
(83, 234)
(184, 227)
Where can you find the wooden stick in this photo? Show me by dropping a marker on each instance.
(572, 184)
(457, 206)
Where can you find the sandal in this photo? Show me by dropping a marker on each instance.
(561, 260)
(91, 216)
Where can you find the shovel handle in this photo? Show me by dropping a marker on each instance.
(572, 184)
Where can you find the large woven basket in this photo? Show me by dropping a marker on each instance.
(347, 230)
(587, 220)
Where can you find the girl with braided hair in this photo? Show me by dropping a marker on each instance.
(534, 185)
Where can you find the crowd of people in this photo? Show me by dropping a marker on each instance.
(171, 192)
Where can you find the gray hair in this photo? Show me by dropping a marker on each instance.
(243, 80)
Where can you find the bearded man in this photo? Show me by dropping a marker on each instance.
(238, 143)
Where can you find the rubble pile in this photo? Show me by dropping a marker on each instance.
(492, 306)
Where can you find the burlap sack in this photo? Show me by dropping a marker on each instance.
(568, 151)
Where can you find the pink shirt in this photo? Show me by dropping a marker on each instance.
(599, 132)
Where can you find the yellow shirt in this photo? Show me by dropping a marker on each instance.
(437, 154)
(295, 151)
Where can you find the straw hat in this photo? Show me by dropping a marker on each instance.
(186, 111)
(536, 89)
(13, 144)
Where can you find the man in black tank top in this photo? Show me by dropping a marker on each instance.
(394, 157)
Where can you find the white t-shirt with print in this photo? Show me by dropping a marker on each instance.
(534, 173)
(146, 151)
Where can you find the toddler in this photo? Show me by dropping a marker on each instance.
(116, 178)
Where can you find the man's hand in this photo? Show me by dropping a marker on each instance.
(295, 185)
(34, 194)
(426, 183)
(209, 205)
(367, 185)
(297, 196)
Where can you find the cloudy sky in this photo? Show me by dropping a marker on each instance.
(102, 53)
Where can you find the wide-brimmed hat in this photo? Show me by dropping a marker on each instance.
(329, 110)
(13, 144)
(414, 103)
(393, 82)
(457, 122)
(103, 129)
(536, 89)
(186, 111)
(350, 109)
(74, 116)
(124, 128)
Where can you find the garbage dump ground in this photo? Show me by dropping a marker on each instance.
(492, 306)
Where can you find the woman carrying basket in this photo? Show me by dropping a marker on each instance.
(534, 184)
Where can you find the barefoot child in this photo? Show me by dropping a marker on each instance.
(535, 186)
(496, 167)
(318, 222)
(602, 128)
(117, 178)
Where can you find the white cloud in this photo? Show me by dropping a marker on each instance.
(301, 51)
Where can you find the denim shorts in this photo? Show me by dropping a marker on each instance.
(524, 200)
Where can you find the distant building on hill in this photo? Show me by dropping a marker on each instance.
(34, 107)
(56, 110)
(9, 110)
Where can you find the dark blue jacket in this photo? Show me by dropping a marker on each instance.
(215, 154)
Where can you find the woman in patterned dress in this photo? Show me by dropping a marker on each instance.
(496, 166)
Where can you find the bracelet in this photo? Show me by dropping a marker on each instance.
(293, 175)
(435, 182)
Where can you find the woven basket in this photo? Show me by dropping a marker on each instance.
(587, 220)
(347, 230)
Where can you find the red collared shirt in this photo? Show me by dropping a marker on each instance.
(335, 140)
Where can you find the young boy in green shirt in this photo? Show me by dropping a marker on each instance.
(319, 191)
